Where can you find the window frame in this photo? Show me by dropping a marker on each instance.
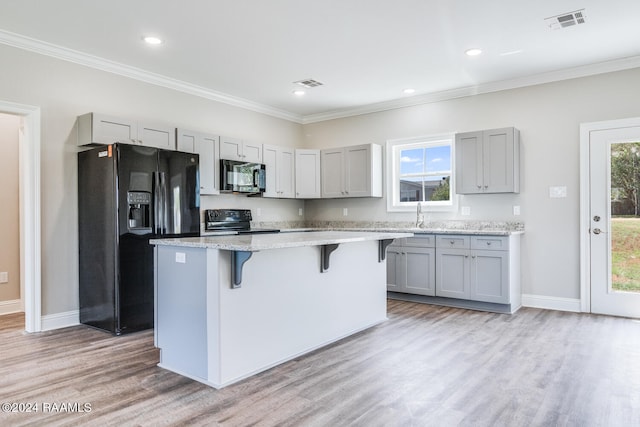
(393, 149)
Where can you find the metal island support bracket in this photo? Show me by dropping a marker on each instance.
(325, 253)
(382, 248)
(238, 258)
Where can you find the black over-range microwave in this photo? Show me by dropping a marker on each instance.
(241, 177)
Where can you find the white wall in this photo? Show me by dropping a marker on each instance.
(548, 117)
(9, 208)
(65, 90)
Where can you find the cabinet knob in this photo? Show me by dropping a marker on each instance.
(451, 242)
(488, 243)
(486, 186)
(479, 186)
(473, 256)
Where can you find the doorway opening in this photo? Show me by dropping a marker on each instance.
(29, 206)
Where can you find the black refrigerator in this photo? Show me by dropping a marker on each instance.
(128, 194)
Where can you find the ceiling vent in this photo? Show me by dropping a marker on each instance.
(565, 20)
(308, 83)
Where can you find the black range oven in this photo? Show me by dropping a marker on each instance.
(232, 220)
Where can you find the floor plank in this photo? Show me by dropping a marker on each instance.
(426, 366)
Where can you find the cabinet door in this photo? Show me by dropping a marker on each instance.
(489, 276)
(452, 273)
(307, 167)
(420, 270)
(395, 269)
(186, 141)
(230, 148)
(107, 130)
(358, 171)
(207, 147)
(333, 170)
(286, 169)
(270, 160)
(158, 136)
(251, 152)
(498, 160)
(469, 163)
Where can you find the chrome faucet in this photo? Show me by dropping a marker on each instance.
(419, 216)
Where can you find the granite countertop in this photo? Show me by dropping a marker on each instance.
(485, 228)
(258, 242)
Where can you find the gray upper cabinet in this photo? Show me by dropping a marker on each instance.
(354, 171)
(240, 150)
(488, 161)
(307, 171)
(279, 167)
(207, 147)
(94, 128)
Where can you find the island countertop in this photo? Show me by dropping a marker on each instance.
(262, 241)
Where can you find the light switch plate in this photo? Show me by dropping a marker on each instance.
(300, 211)
(559, 192)
(4, 277)
(465, 210)
(345, 212)
(181, 257)
(259, 212)
(516, 210)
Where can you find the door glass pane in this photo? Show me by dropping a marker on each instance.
(625, 217)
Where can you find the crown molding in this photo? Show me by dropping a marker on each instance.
(45, 48)
(59, 52)
(553, 76)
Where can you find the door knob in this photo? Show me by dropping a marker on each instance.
(597, 231)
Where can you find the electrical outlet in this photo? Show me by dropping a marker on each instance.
(516, 210)
(4, 277)
(181, 257)
(300, 212)
(466, 210)
(345, 212)
(259, 212)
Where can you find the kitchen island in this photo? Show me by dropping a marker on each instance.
(227, 307)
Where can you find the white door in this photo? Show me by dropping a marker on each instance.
(614, 220)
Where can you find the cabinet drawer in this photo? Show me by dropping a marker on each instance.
(491, 243)
(454, 242)
(421, 241)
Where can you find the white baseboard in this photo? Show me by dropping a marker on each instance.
(11, 306)
(60, 320)
(551, 303)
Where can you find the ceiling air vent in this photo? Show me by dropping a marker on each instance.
(565, 20)
(308, 83)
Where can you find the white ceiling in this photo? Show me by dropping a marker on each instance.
(249, 52)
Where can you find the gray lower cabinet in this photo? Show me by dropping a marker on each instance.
(411, 265)
(475, 268)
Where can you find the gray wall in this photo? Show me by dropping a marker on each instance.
(549, 118)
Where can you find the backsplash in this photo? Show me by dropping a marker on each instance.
(429, 225)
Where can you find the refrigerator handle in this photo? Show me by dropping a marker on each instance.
(165, 208)
(157, 203)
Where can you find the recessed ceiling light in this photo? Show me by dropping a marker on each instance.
(152, 40)
(299, 92)
(473, 52)
(408, 91)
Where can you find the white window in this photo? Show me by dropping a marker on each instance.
(421, 171)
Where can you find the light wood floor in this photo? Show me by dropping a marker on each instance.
(426, 366)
